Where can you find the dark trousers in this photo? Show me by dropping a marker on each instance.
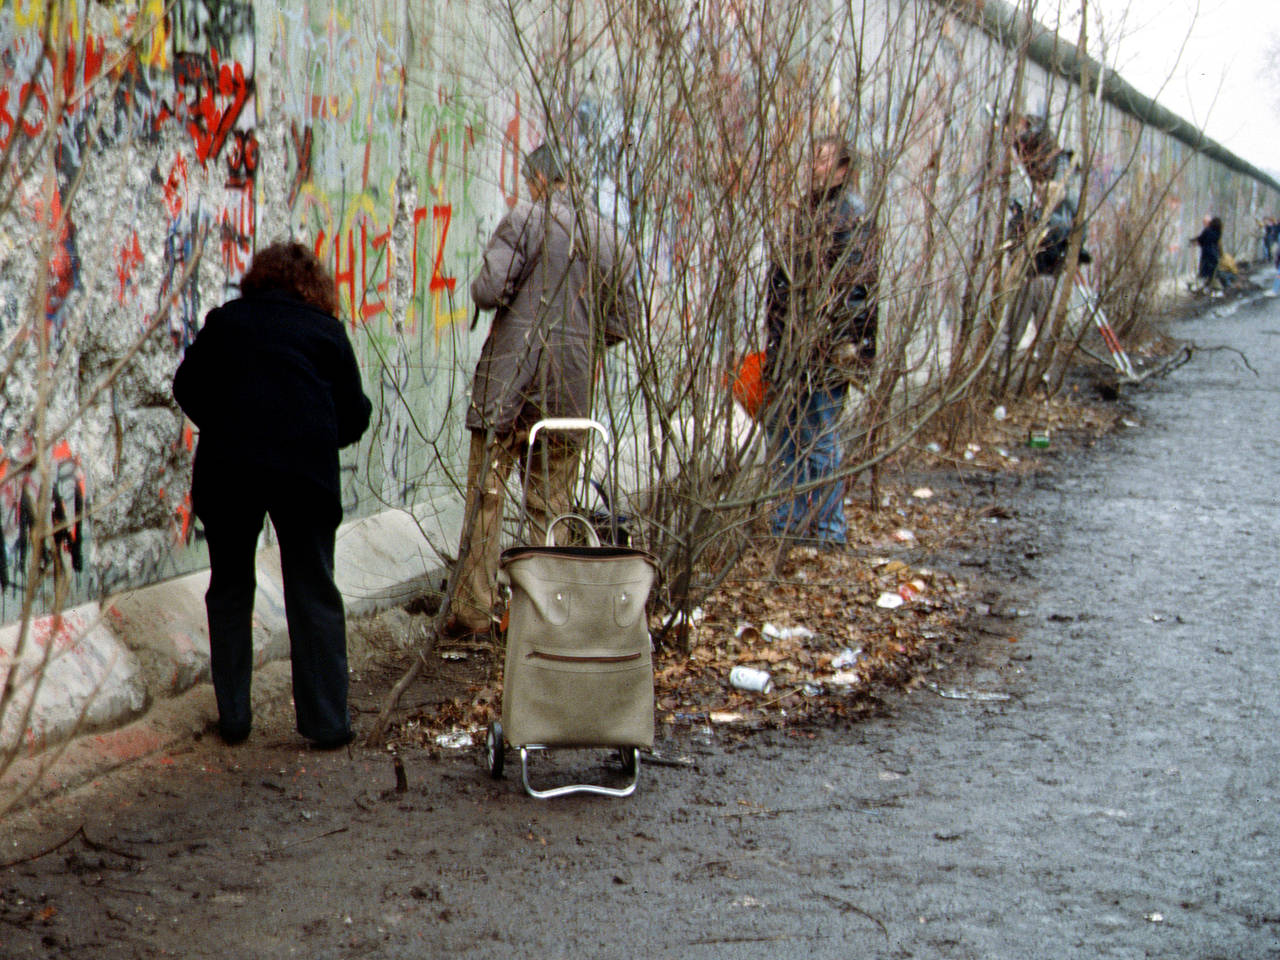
(313, 606)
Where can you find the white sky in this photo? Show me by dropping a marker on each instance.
(1202, 59)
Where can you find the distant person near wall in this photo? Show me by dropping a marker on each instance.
(822, 327)
(272, 383)
(1210, 241)
(562, 288)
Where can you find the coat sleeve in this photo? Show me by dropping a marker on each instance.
(349, 401)
(192, 381)
(622, 321)
(505, 259)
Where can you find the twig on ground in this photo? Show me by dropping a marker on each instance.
(77, 832)
(318, 836)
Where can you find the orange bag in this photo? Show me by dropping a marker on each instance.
(748, 383)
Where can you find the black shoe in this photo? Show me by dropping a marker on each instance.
(233, 733)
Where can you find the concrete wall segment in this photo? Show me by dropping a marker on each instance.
(71, 675)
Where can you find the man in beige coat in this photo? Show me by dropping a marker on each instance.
(562, 288)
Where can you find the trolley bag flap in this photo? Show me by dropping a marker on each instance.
(578, 664)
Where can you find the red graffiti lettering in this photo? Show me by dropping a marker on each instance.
(242, 161)
(347, 276)
(511, 146)
(301, 147)
(441, 214)
(379, 243)
(130, 259)
(175, 187)
(215, 110)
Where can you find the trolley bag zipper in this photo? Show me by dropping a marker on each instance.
(565, 658)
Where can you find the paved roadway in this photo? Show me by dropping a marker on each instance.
(1123, 802)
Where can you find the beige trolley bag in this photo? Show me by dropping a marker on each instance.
(579, 671)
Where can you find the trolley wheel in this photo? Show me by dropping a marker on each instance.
(627, 757)
(493, 750)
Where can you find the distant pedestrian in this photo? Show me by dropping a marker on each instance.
(272, 384)
(1210, 242)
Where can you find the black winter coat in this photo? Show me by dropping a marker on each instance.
(1210, 240)
(274, 387)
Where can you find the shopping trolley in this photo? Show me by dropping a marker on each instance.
(578, 669)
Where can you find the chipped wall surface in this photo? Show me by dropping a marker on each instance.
(387, 134)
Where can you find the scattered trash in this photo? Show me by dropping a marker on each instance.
(1158, 618)
(694, 618)
(812, 689)
(904, 536)
(1155, 917)
(453, 655)
(454, 740)
(749, 678)
(1126, 422)
(747, 632)
(1000, 413)
(845, 658)
(972, 448)
(978, 696)
(845, 678)
(922, 493)
(1038, 437)
(933, 447)
(969, 454)
(890, 601)
(787, 633)
(720, 716)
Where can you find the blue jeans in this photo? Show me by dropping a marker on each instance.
(808, 448)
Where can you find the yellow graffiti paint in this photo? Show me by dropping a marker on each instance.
(28, 14)
(154, 51)
(444, 317)
(309, 198)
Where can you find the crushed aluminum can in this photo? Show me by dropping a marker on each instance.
(749, 678)
(845, 658)
(774, 632)
(454, 740)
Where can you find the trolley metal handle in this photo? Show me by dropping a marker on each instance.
(593, 540)
(570, 423)
(558, 424)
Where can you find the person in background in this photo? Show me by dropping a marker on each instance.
(1210, 242)
(562, 288)
(822, 323)
(272, 383)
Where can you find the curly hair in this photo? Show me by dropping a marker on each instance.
(289, 267)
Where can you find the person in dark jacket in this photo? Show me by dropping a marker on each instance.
(272, 384)
(1210, 241)
(822, 319)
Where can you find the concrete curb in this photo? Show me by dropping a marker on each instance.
(99, 686)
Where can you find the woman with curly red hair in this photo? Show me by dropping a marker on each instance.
(272, 384)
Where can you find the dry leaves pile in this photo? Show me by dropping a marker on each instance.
(827, 626)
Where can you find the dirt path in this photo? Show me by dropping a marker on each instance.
(1105, 786)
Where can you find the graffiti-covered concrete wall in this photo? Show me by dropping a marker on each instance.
(184, 140)
(149, 148)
